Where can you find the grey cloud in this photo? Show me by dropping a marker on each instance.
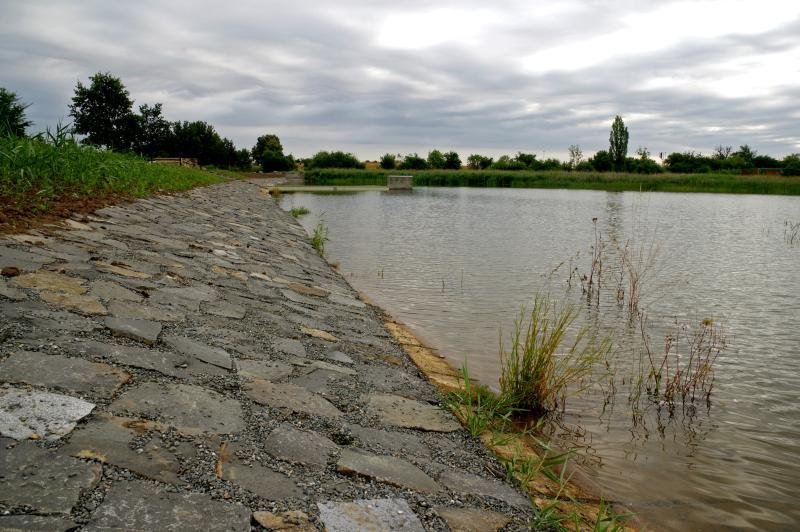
(302, 70)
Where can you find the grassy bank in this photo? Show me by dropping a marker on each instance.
(37, 175)
(739, 184)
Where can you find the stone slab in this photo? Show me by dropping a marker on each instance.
(289, 346)
(47, 481)
(468, 484)
(31, 414)
(254, 477)
(374, 515)
(129, 309)
(9, 292)
(308, 290)
(395, 442)
(170, 364)
(316, 333)
(226, 310)
(290, 521)
(402, 412)
(25, 261)
(338, 356)
(85, 304)
(62, 373)
(137, 505)
(319, 381)
(386, 469)
(190, 409)
(294, 445)
(266, 370)
(107, 438)
(20, 523)
(51, 282)
(290, 397)
(472, 520)
(210, 355)
(144, 331)
(110, 290)
(347, 301)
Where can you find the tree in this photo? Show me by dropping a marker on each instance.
(334, 159)
(435, 160)
(413, 161)
(618, 144)
(722, 152)
(452, 161)
(575, 156)
(479, 162)
(528, 160)
(601, 161)
(265, 143)
(153, 131)
(388, 161)
(103, 112)
(12, 114)
(747, 154)
(791, 164)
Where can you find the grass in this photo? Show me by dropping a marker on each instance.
(319, 237)
(38, 173)
(299, 211)
(666, 182)
(539, 367)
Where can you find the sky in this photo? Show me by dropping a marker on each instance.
(371, 77)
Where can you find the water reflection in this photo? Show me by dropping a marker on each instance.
(457, 264)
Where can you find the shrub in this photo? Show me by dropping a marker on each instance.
(452, 161)
(413, 162)
(388, 161)
(435, 160)
(479, 162)
(334, 159)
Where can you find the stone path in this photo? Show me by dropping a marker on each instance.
(190, 362)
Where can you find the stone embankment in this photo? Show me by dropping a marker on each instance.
(190, 362)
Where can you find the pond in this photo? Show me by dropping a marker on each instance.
(457, 264)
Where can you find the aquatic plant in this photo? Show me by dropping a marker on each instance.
(684, 371)
(541, 364)
(319, 237)
(299, 211)
(791, 232)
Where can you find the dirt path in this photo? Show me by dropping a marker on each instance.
(190, 361)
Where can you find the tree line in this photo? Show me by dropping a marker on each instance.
(103, 114)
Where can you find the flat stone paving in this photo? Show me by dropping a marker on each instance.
(190, 362)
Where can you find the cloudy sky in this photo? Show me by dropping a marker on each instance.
(403, 76)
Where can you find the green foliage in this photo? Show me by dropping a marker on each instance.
(12, 114)
(198, 139)
(505, 162)
(791, 165)
(153, 134)
(746, 154)
(528, 160)
(413, 162)
(319, 237)
(272, 161)
(299, 211)
(266, 143)
(479, 162)
(480, 408)
(575, 156)
(388, 161)
(435, 160)
(334, 159)
(594, 180)
(34, 172)
(601, 161)
(103, 112)
(618, 144)
(541, 363)
(452, 161)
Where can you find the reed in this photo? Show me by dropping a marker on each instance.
(319, 237)
(299, 211)
(541, 363)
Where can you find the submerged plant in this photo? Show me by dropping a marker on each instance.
(791, 232)
(299, 211)
(541, 363)
(319, 237)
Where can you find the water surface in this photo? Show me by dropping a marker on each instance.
(457, 264)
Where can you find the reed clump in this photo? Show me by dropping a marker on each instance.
(542, 363)
(319, 237)
(299, 211)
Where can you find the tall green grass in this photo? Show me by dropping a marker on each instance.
(36, 172)
(666, 182)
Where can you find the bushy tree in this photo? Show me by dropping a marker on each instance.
(413, 161)
(505, 162)
(528, 160)
(334, 159)
(746, 154)
(618, 144)
(765, 161)
(791, 164)
(601, 161)
(152, 136)
(452, 161)
(269, 142)
(388, 161)
(479, 162)
(435, 160)
(103, 112)
(12, 114)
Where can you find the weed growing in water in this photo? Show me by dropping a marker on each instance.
(538, 368)
(319, 237)
(791, 232)
(299, 211)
